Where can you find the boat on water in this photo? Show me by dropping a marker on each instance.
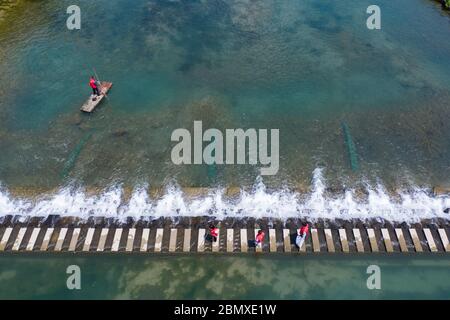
(93, 101)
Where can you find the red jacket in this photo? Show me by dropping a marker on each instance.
(260, 237)
(303, 230)
(214, 232)
(93, 84)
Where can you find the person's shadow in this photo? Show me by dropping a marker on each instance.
(209, 238)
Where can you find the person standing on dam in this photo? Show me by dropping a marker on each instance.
(259, 238)
(301, 235)
(213, 233)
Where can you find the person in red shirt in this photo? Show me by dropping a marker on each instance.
(259, 238)
(301, 235)
(93, 85)
(214, 232)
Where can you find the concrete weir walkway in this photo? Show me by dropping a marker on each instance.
(187, 235)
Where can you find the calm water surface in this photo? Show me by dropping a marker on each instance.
(224, 277)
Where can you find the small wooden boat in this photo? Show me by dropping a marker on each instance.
(93, 100)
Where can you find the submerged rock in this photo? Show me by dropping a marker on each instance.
(120, 133)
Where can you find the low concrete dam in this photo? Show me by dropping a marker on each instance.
(188, 235)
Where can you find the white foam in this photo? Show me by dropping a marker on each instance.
(408, 206)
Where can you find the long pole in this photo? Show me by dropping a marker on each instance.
(96, 75)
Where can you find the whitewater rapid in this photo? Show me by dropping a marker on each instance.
(410, 207)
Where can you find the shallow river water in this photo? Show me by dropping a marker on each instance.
(308, 68)
(224, 277)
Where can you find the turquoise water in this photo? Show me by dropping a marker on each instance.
(301, 66)
(305, 67)
(224, 277)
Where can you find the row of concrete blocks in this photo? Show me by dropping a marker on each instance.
(115, 239)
